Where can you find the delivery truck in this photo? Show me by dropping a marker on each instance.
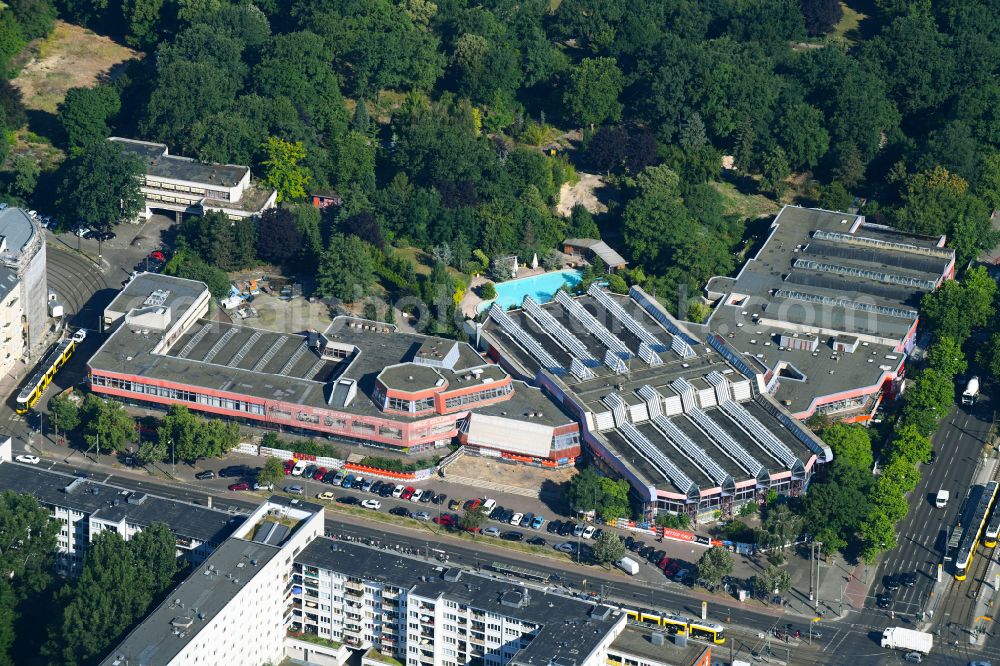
(898, 638)
(971, 392)
(628, 565)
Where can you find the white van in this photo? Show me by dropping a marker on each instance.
(942, 498)
(488, 506)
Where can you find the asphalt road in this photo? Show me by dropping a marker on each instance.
(923, 533)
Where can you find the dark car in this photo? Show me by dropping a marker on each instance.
(884, 600)
(105, 235)
(497, 512)
(329, 476)
(513, 535)
(401, 511)
(637, 546)
(349, 500)
(207, 474)
(348, 481)
(908, 579)
(386, 490)
(567, 528)
(598, 533)
(309, 471)
(646, 551)
(376, 488)
(536, 541)
(507, 515)
(554, 526)
(628, 541)
(933, 457)
(319, 474)
(439, 498)
(357, 482)
(891, 582)
(658, 556)
(427, 496)
(233, 470)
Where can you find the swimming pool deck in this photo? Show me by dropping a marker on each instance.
(471, 301)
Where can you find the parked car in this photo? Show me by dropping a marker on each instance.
(422, 515)
(567, 528)
(891, 582)
(512, 535)
(293, 490)
(387, 490)
(233, 470)
(628, 541)
(376, 487)
(105, 235)
(515, 519)
(537, 522)
(319, 473)
(637, 546)
(566, 547)
(400, 511)
(536, 541)
(427, 496)
(588, 532)
(526, 520)
(349, 500)
(309, 471)
(908, 579)
(329, 476)
(497, 512)
(506, 516)
(439, 498)
(357, 482)
(416, 494)
(338, 478)
(367, 485)
(598, 533)
(490, 532)
(455, 504)
(372, 504)
(257, 485)
(407, 493)
(473, 504)
(242, 485)
(348, 481)
(883, 599)
(446, 520)
(201, 476)
(397, 492)
(326, 495)
(488, 505)
(554, 527)
(579, 529)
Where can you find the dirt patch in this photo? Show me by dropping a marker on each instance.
(508, 474)
(583, 192)
(70, 57)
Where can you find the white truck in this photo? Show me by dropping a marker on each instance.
(941, 499)
(628, 565)
(898, 638)
(971, 392)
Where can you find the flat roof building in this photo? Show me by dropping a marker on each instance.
(184, 185)
(86, 507)
(359, 381)
(828, 309)
(686, 423)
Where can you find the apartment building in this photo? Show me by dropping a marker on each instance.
(232, 609)
(184, 185)
(85, 507)
(423, 615)
(24, 315)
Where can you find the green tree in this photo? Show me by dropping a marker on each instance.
(591, 94)
(85, 113)
(955, 309)
(471, 520)
(780, 525)
(488, 291)
(346, 270)
(911, 445)
(143, 22)
(100, 186)
(107, 426)
(878, 535)
(945, 355)
(989, 355)
(714, 564)
(581, 223)
(29, 539)
(770, 581)
(151, 451)
(219, 241)
(608, 548)
(775, 171)
(355, 164)
(584, 491)
(283, 171)
(64, 414)
(802, 134)
(279, 237)
(614, 502)
(929, 400)
(186, 264)
(273, 472)
(851, 444)
(26, 171)
(154, 551)
(655, 219)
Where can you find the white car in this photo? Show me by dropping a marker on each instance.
(28, 459)
(398, 490)
(82, 231)
(372, 504)
(326, 496)
(263, 486)
(80, 335)
(417, 494)
(588, 533)
(566, 547)
(516, 519)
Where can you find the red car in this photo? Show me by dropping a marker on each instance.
(664, 563)
(320, 473)
(243, 485)
(156, 255)
(289, 465)
(408, 493)
(446, 520)
(473, 504)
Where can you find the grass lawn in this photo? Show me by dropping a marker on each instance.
(746, 206)
(70, 57)
(846, 30)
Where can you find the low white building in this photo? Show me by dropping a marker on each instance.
(185, 185)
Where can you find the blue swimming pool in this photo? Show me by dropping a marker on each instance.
(540, 287)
